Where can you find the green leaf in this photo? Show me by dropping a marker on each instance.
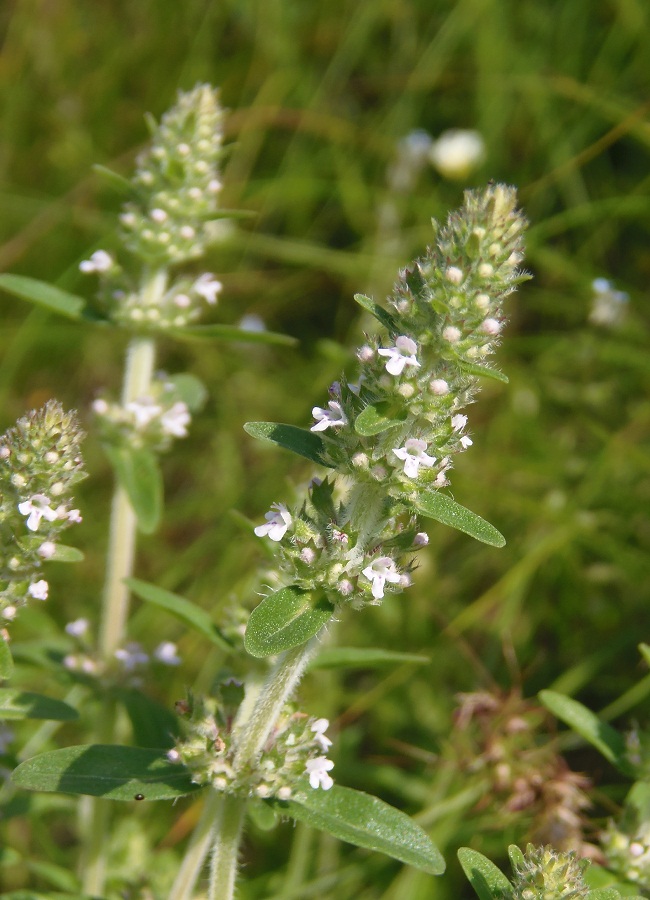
(118, 182)
(285, 619)
(363, 658)
(382, 315)
(231, 333)
(443, 509)
(154, 725)
(137, 471)
(587, 724)
(374, 419)
(516, 856)
(43, 294)
(25, 705)
(66, 554)
(644, 650)
(298, 440)
(604, 894)
(102, 770)
(484, 372)
(365, 821)
(188, 613)
(488, 880)
(6, 660)
(190, 389)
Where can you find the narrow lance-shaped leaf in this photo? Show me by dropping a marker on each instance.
(365, 821)
(374, 419)
(231, 333)
(599, 734)
(43, 294)
(180, 608)
(25, 705)
(285, 619)
(484, 372)
(443, 509)
(138, 473)
(102, 770)
(364, 658)
(488, 880)
(298, 440)
(6, 660)
(382, 315)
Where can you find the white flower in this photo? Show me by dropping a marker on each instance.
(159, 215)
(166, 654)
(454, 274)
(100, 261)
(47, 549)
(276, 524)
(175, 420)
(319, 727)
(328, 418)
(131, 656)
(379, 572)
(466, 442)
(208, 287)
(144, 410)
(491, 326)
(457, 152)
(458, 422)
(413, 455)
(37, 508)
(39, 590)
(439, 386)
(402, 354)
(252, 322)
(451, 334)
(318, 769)
(73, 516)
(421, 539)
(77, 628)
(609, 306)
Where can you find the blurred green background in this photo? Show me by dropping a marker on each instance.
(320, 94)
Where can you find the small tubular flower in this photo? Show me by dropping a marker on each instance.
(401, 355)
(333, 417)
(413, 455)
(276, 524)
(379, 572)
(318, 770)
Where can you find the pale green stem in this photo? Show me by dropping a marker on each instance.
(138, 373)
(197, 849)
(251, 732)
(223, 865)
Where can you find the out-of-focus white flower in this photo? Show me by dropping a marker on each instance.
(77, 627)
(166, 654)
(457, 152)
(100, 261)
(609, 306)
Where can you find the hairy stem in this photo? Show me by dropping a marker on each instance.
(223, 865)
(198, 848)
(138, 373)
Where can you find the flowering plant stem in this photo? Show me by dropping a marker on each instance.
(223, 815)
(140, 361)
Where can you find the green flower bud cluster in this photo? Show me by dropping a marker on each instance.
(40, 462)
(394, 433)
(177, 183)
(445, 321)
(547, 874)
(152, 421)
(171, 218)
(293, 752)
(628, 850)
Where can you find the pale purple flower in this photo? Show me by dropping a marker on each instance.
(175, 420)
(421, 539)
(402, 354)
(491, 326)
(131, 656)
(37, 508)
(144, 410)
(451, 334)
(73, 516)
(413, 455)
(39, 590)
(100, 261)
(328, 418)
(166, 654)
(458, 422)
(318, 769)
(47, 549)
(77, 628)
(276, 524)
(208, 287)
(439, 386)
(380, 571)
(319, 727)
